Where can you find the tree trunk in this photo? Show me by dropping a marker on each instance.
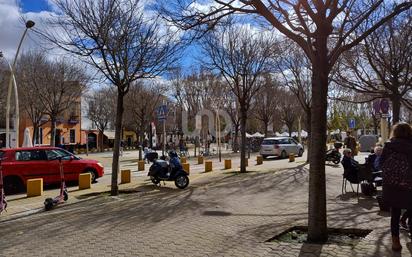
(317, 222)
(35, 134)
(396, 109)
(116, 150)
(53, 131)
(243, 119)
(308, 128)
(266, 124)
(235, 139)
(100, 140)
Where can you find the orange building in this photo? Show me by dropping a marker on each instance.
(68, 127)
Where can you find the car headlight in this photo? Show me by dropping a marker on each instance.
(100, 165)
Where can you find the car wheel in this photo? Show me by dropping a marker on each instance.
(283, 155)
(182, 181)
(93, 175)
(155, 180)
(300, 153)
(13, 185)
(264, 156)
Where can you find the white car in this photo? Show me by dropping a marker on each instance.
(281, 147)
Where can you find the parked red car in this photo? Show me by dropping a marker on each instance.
(21, 164)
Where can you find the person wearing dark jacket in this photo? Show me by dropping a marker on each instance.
(396, 164)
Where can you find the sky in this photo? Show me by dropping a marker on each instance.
(12, 27)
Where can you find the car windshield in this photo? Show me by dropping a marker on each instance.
(270, 142)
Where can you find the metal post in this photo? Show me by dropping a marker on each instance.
(29, 24)
(164, 137)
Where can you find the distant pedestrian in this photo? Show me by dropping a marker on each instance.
(396, 163)
(350, 142)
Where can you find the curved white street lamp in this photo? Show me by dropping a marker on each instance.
(29, 24)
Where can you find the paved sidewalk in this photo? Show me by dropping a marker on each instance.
(221, 214)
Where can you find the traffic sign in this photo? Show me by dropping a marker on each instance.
(162, 112)
(384, 106)
(352, 123)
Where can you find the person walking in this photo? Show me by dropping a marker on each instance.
(396, 164)
(350, 142)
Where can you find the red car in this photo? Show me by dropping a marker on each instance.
(21, 164)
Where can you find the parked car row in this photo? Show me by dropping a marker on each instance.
(21, 164)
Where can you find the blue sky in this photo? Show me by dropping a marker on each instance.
(34, 5)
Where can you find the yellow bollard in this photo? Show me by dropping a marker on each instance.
(259, 160)
(186, 167)
(85, 181)
(208, 166)
(125, 176)
(200, 160)
(34, 187)
(140, 165)
(183, 159)
(291, 157)
(228, 164)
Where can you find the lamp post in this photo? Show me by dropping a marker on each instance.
(29, 24)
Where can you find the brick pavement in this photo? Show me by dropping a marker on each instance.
(221, 214)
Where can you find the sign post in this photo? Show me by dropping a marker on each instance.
(161, 116)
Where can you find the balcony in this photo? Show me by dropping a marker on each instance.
(73, 120)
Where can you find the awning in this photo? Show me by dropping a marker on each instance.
(109, 135)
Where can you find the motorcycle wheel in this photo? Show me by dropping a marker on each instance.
(155, 180)
(182, 181)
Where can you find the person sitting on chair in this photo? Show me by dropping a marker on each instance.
(374, 158)
(350, 166)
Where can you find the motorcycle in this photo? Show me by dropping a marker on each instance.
(49, 203)
(161, 170)
(333, 155)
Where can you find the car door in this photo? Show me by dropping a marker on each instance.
(32, 164)
(70, 167)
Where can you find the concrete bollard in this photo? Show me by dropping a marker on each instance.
(183, 159)
(186, 167)
(125, 176)
(200, 160)
(259, 160)
(34, 187)
(291, 157)
(85, 181)
(208, 166)
(140, 165)
(228, 164)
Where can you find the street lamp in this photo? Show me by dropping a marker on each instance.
(29, 24)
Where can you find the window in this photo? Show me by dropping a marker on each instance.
(1, 154)
(72, 136)
(284, 141)
(56, 153)
(33, 155)
(270, 142)
(294, 141)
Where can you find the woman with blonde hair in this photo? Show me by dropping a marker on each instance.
(396, 163)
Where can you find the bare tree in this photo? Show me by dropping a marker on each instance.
(242, 57)
(100, 110)
(289, 109)
(116, 38)
(382, 66)
(56, 86)
(29, 68)
(296, 75)
(141, 104)
(324, 30)
(265, 102)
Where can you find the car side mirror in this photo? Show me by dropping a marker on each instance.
(71, 157)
